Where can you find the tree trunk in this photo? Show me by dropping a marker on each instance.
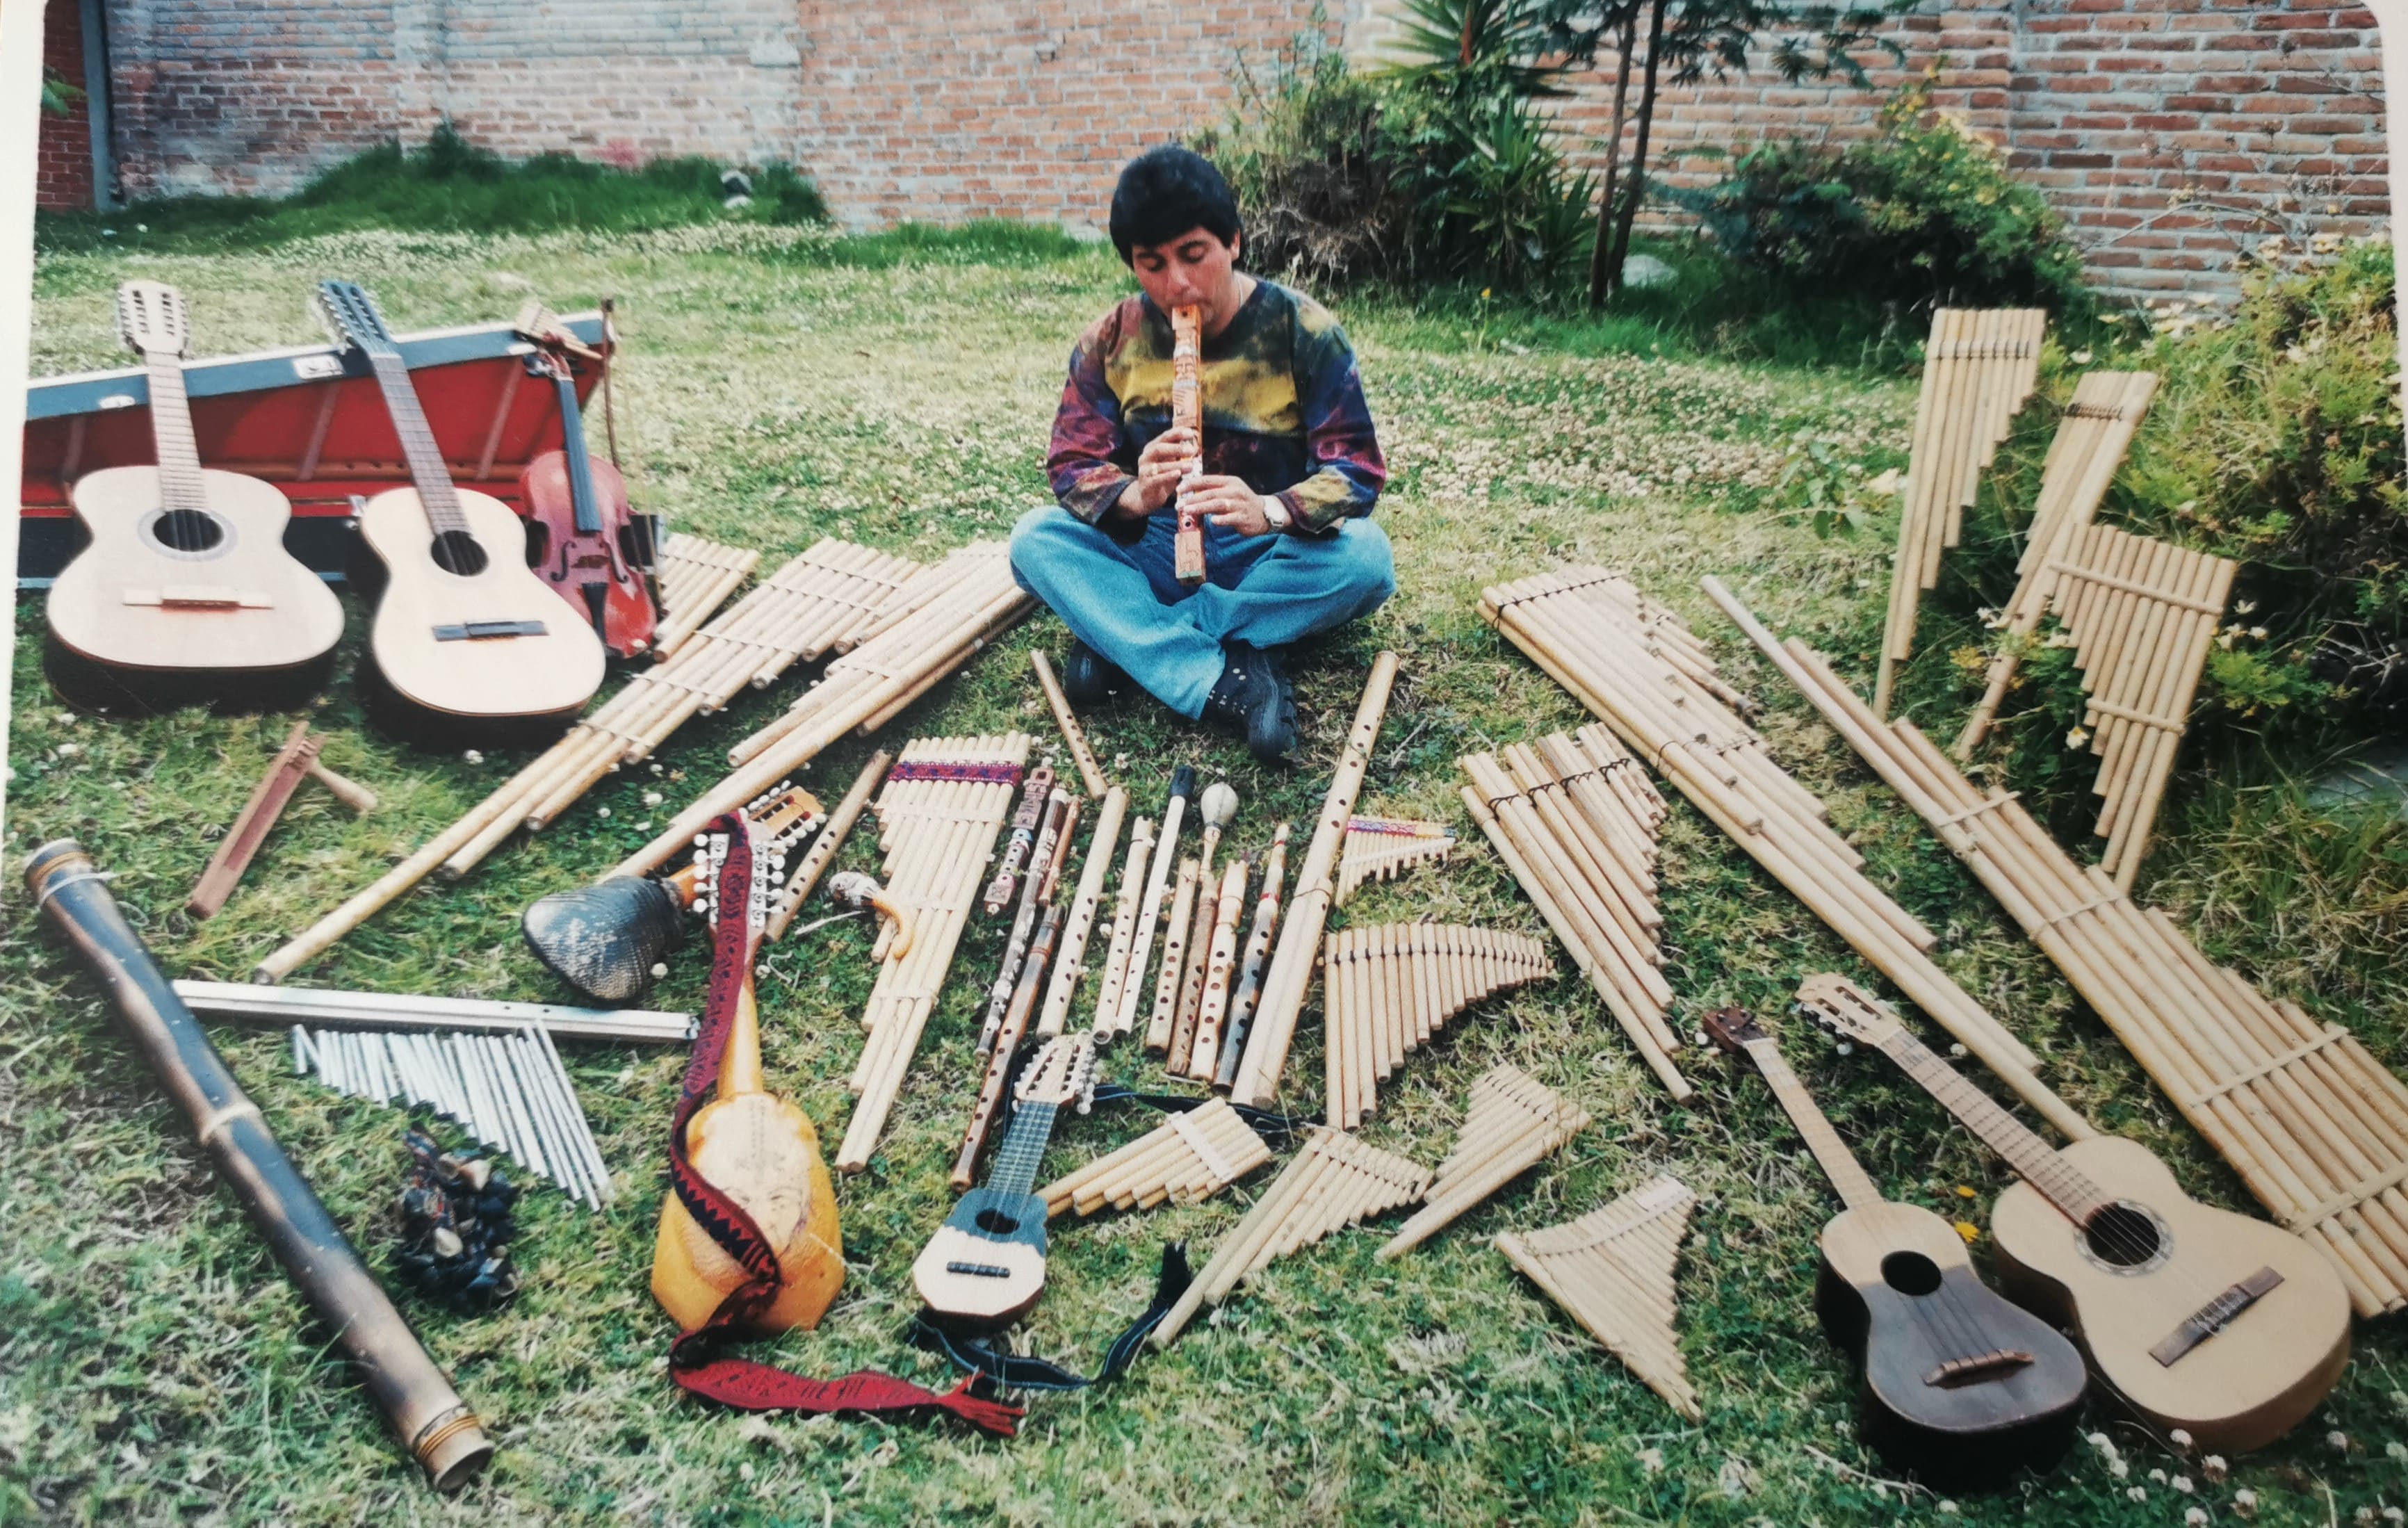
(1613, 165)
(1638, 184)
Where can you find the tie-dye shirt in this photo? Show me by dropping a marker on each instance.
(1283, 408)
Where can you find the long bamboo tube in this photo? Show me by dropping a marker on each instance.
(1248, 990)
(1124, 908)
(1070, 964)
(1091, 774)
(1308, 909)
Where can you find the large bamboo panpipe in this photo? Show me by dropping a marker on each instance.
(2096, 431)
(696, 577)
(1190, 1157)
(1979, 367)
(1298, 949)
(1575, 821)
(1585, 627)
(798, 613)
(944, 803)
(2310, 1122)
(947, 616)
(1388, 989)
(417, 1400)
(1070, 964)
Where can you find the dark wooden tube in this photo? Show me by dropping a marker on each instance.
(416, 1397)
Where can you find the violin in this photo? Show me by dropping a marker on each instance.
(583, 539)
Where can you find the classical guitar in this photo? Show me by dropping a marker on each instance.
(186, 593)
(1961, 1387)
(583, 539)
(2194, 1317)
(985, 1266)
(467, 642)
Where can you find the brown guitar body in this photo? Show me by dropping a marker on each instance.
(2241, 1387)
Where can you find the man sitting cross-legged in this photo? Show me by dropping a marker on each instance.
(1290, 469)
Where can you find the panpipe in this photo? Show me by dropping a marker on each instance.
(696, 577)
(2312, 1122)
(946, 615)
(1513, 1123)
(808, 605)
(1070, 964)
(2142, 615)
(943, 804)
(814, 862)
(1188, 1158)
(1074, 737)
(1329, 1185)
(2082, 460)
(1201, 1060)
(1249, 985)
(1612, 1270)
(1575, 820)
(1187, 413)
(1388, 989)
(1978, 368)
(508, 1090)
(1636, 668)
(1109, 1008)
(1298, 948)
(1157, 881)
(250, 1003)
(1381, 847)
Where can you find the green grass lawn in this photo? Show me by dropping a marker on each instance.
(154, 1366)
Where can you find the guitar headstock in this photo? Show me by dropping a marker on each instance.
(350, 317)
(151, 320)
(1062, 1073)
(1848, 1010)
(1733, 1029)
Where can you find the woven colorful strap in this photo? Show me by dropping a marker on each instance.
(694, 1363)
(944, 769)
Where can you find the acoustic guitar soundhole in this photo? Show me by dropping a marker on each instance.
(995, 1222)
(187, 530)
(1910, 1272)
(2124, 1236)
(457, 551)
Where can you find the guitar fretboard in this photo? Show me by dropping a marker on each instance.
(2034, 1160)
(1024, 1148)
(1855, 1186)
(417, 448)
(171, 428)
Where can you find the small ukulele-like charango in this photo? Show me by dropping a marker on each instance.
(2196, 1318)
(1960, 1386)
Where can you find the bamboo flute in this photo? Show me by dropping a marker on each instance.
(1116, 957)
(1157, 879)
(1014, 1029)
(1300, 941)
(1091, 774)
(1035, 790)
(1204, 1058)
(1069, 966)
(1174, 952)
(1032, 901)
(1258, 955)
(1187, 413)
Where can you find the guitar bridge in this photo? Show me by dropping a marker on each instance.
(481, 631)
(1996, 1364)
(978, 1270)
(2215, 1316)
(191, 597)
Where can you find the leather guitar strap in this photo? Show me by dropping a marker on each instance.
(695, 1361)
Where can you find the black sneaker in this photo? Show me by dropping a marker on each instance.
(1088, 676)
(1252, 700)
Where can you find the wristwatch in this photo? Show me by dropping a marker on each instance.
(1275, 510)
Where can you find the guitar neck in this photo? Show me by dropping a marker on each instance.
(417, 448)
(1848, 1176)
(2034, 1161)
(171, 429)
(1022, 1150)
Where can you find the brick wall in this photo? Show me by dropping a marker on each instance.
(62, 149)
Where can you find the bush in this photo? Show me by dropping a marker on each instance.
(1923, 214)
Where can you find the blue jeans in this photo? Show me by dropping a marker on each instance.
(1123, 601)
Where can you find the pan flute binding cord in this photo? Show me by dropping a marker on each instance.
(943, 804)
(2312, 1122)
(1186, 1159)
(1638, 668)
(1612, 1270)
(1335, 1181)
(1389, 988)
(826, 597)
(1514, 1121)
(2091, 440)
(1575, 818)
(1978, 371)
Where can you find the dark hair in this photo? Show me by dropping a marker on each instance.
(1165, 192)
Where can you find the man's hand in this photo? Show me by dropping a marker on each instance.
(1159, 469)
(1227, 502)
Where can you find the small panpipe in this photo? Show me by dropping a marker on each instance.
(1390, 987)
(2310, 1119)
(1091, 774)
(1514, 1121)
(1034, 793)
(943, 804)
(1187, 413)
(1186, 1159)
(1070, 964)
(1642, 672)
(2091, 440)
(696, 577)
(1249, 987)
(2141, 616)
(1978, 368)
(417, 1400)
(1575, 820)
(1335, 1181)
(1109, 1006)
(1382, 847)
(1612, 1270)
(1298, 948)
